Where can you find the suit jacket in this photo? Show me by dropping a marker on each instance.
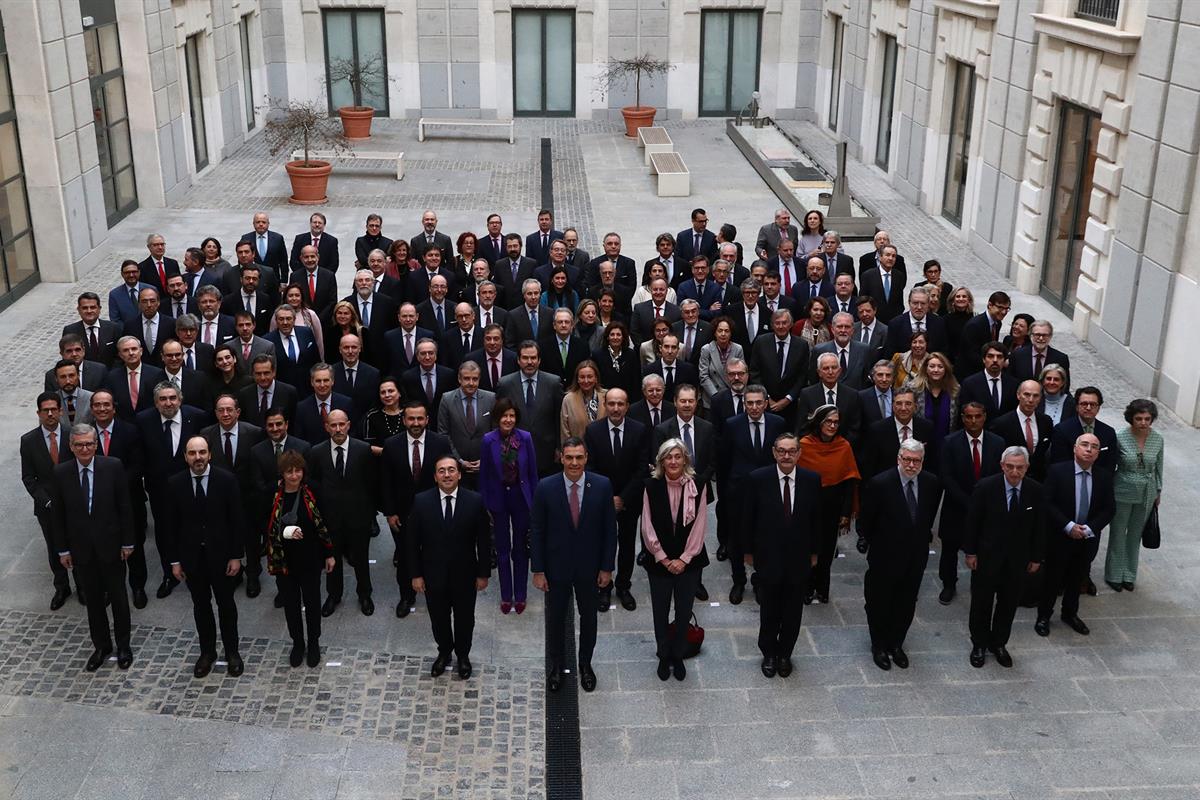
(626, 470)
(642, 325)
(326, 297)
(125, 445)
(83, 407)
(1005, 542)
(574, 276)
(417, 287)
(121, 309)
(243, 464)
(875, 345)
(258, 346)
(737, 312)
(453, 552)
(978, 388)
(397, 355)
(307, 423)
(197, 389)
(895, 539)
(277, 255)
(412, 386)
(507, 365)
(851, 307)
(889, 307)
(783, 547)
(684, 372)
(452, 423)
(702, 336)
(858, 363)
(848, 405)
(249, 400)
(868, 405)
(363, 245)
(867, 262)
(518, 328)
(900, 331)
(295, 373)
(450, 346)
(685, 247)
(534, 248)
(364, 394)
(1062, 442)
(975, 334)
(711, 293)
(160, 462)
(622, 297)
(37, 470)
(266, 474)
(566, 552)
(417, 246)
(542, 419)
(117, 382)
(957, 472)
(640, 411)
(739, 457)
(780, 382)
(383, 319)
(882, 444)
(704, 443)
(164, 331)
(1021, 363)
(204, 536)
(327, 252)
(397, 484)
(223, 332)
(499, 314)
(510, 287)
(149, 273)
(98, 535)
(92, 376)
(189, 306)
(844, 264)
(678, 271)
(802, 291)
(231, 304)
(768, 239)
(347, 501)
(491, 479)
(427, 317)
(577, 351)
(1010, 428)
(107, 334)
(627, 272)
(485, 249)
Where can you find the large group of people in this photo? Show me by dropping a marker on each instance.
(515, 403)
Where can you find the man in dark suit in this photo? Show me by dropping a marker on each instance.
(979, 331)
(122, 299)
(875, 401)
(967, 457)
(836, 262)
(917, 318)
(91, 374)
(205, 549)
(564, 351)
(791, 270)
(693, 332)
(230, 442)
(461, 338)
(99, 335)
(872, 259)
(326, 244)
(464, 417)
(401, 341)
(491, 244)
(266, 393)
(853, 356)
(701, 288)
(378, 312)
(151, 327)
(42, 448)
(195, 387)
(898, 509)
(829, 389)
(782, 510)
(449, 543)
(1027, 363)
(1027, 427)
(1088, 400)
(355, 378)
(886, 284)
(343, 475)
(317, 284)
(653, 409)
(408, 466)
(156, 268)
(766, 246)
(268, 246)
(120, 440)
(576, 255)
(215, 326)
(428, 380)
(537, 394)
(295, 350)
(673, 369)
(373, 239)
(883, 438)
(1080, 504)
(774, 298)
(251, 299)
(619, 449)
(844, 299)
(265, 458)
(675, 269)
(558, 259)
(816, 282)
(750, 317)
(697, 240)
(780, 364)
(132, 383)
(385, 284)
(537, 244)
(647, 312)
(93, 528)
(494, 359)
(419, 285)
(268, 279)
(1004, 541)
(993, 386)
(313, 411)
(489, 309)
(626, 269)
(869, 329)
(431, 238)
(573, 547)
(177, 302)
(436, 311)
(511, 271)
(246, 345)
(606, 277)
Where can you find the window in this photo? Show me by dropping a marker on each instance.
(729, 60)
(543, 63)
(1075, 161)
(887, 97)
(354, 41)
(107, 82)
(247, 78)
(191, 54)
(1102, 11)
(835, 80)
(960, 142)
(18, 259)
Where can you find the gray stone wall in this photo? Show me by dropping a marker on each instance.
(914, 85)
(638, 27)
(169, 94)
(448, 55)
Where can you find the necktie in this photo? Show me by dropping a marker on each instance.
(783, 234)
(687, 440)
(104, 441)
(449, 509)
(191, 282)
(133, 388)
(544, 237)
(262, 248)
(996, 392)
(529, 396)
(312, 285)
(1039, 362)
(911, 496)
(562, 350)
(903, 432)
(93, 342)
(316, 242)
(278, 449)
(654, 416)
(787, 497)
(779, 345)
(1029, 436)
(919, 326)
(670, 380)
(495, 372)
(658, 312)
(470, 414)
(533, 326)
(495, 245)
(229, 448)
(71, 408)
(514, 264)
(408, 347)
(842, 361)
(829, 392)
(350, 377)
(53, 447)
(757, 436)
(865, 338)
(263, 406)
(883, 406)
(133, 296)
(167, 436)
(737, 404)
(441, 320)
(771, 306)
(1014, 499)
(208, 337)
(1088, 428)
(616, 443)
(976, 462)
(787, 278)
(149, 334)
(246, 352)
(200, 495)
(887, 286)
(291, 347)
(178, 309)
(487, 317)
(85, 483)
(466, 343)
(162, 274)
(191, 361)
(429, 386)
(812, 289)
(687, 341)
(995, 331)
(174, 379)
(248, 301)
(1085, 499)
(324, 412)
(366, 312)
(696, 247)
(751, 325)
(339, 463)
(575, 504)
(416, 460)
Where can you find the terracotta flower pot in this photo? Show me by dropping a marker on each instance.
(637, 117)
(356, 121)
(309, 181)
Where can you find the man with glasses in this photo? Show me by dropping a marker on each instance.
(1027, 362)
(978, 331)
(373, 239)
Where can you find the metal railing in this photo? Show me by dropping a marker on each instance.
(1102, 11)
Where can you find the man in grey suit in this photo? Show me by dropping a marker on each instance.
(853, 356)
(538, 397)
(464, 416)
(76, 402)
(769, 236)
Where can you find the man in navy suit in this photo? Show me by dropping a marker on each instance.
(248, 298)
(881, 440)
(380, 311)
(156, 268)
(751, 318)
(355, 378)
(317, 284)
(537, 244)
(123, 299)
(697, 240)
(494, 360)
(994, 386)
(430, 238)
(875, 401)
(491, 244)
(699, 288)
(1026, 427)
(295, 350)
(512, 269)
(844, 299)
(428, 380)
(99, 335)
(670, 367)
(816, 282)
(1026, 363)
(626, 270)
(311, 412)
(886, 284)
(402, 341)
(132, 382)
(150, 326)
(573, 547)
(871, 260)
(978, 331)
(917, 318)
(791, 272)
(836, 263)
(269, 247)
(326, 244)
(418, 287)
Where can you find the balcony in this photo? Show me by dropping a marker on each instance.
(1102, 11)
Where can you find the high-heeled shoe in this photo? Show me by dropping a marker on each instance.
(505, 606)
(519, 606)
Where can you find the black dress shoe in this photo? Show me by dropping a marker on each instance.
(1042, 627)
(757, 597)
(722, 553)
(664, 669)
(823, 598)
(1076, 624)
(701, 593)
(946, 595)
(235, 666)
(554, 679)
(124, 657)
(809, 596)
(736, 593)
(978, 656)
(296, 657)
(139, 598)
(278, 600)
(439, 665)
(679, 670)
(604, 600)
(899, 657)
(1116, 587)
(464, 668)
(253, 587)
(783, 666)
(1089, 588)
(367, 605)
(164, 588)
(237, 579)
(97, 658)
(861, 545)
(403, 609)
(642, 557)
(627, 601)
(768, 666)
(881, 659)
(587, 678)
(1002, 656)
(313, 653)
(1127, 586)
(204, 664)
(330, 605)
(59, 599)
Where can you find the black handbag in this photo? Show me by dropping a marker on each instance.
(1151, 533)
(695, 637)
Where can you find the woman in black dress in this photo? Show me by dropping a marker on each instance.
(386, 420)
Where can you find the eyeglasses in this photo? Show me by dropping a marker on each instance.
(82, 445)
(914, 461)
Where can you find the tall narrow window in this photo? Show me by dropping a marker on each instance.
(960, 142)
(1075, 161)
(835, 78)
(354, 43)
(191, 54)
(247, 76)
(887, 97)
(106, 79)
(543, 63)
(729, 57)
(18, 259)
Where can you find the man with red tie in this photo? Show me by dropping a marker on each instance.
(155, 269)
(326, 244)
(40, 449)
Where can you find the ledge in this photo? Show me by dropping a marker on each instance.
(980, 9)
(1089, 34)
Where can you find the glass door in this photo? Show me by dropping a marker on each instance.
(1078, 133)
(887, 97)
(835, 80)
(960, 142)
(729, 60)
(18, 259)
(354, 44)
(191, 54)
(543, 63)
(106, 79)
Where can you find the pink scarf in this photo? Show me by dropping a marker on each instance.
(688, 498)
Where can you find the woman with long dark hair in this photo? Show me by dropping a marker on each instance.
(827, 453)
(507, 479)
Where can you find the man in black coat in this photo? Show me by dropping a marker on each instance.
(401, 342)
(380, 312)
(994, 387)
(449, 537)
(898, 508)
(626, 270)
(529, 320)
(205, 549)
(373, 239)
(151, 327)
(317, 284)
(978, 331)
(92, 374)
(355, 378)
(918, 318)
(885, 283)
(99, 335)
(619, 449)
(1080, 504)
(967, 457)
(829, 385)
(1004, 541)
(541, 417)
(872, 258)
(132, 371)
(782, 510)
(230, 443)
(654, 408)
(268, 246)
(41, 449)
(417, 282)
(119, 439)
(296, 350)
(463, 337)
(494, 360)
(428, 381)
(537, 244)
(156, 268)
(430, 238)
(564, 351)
(266, 393)
(251, 299)
(1027, 363)
(670, 367)
(1088, 401)
(326, 244)
(882, 440)
(875, 401)
(93, 531)
(311, 412)
(512, 270)
(780, 364)
(1028, 428)
(342, 473)
(697, 240)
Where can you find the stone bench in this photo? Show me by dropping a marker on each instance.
(425, 122)
(654, 139)
(376, 155)
(674, 180)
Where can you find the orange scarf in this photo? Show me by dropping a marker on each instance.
(833, 461)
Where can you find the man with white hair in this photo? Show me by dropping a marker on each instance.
(376, 309)
(769, 236)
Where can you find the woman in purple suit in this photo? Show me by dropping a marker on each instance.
(507, 478)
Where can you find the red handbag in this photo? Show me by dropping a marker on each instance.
(694, 635)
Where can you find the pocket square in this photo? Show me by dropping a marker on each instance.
(1029, 508)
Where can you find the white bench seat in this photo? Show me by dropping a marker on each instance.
(654, 139)
(427, 122)
(372, 155)
(674, 180)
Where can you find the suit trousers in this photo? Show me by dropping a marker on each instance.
(827, 536)
(304, 586)
(510, 529)
(403, 571)
(99, 580)
(256, 523)
(558, 602)
(451, 607)
(734, 546)
(780, 616)
(352, 546)
(890, 594)
(136, 563)
(1066, 568)
(205, 584)
(995, 593)
(627, 542)
(160, 508)
(950, 532)
(682, 589)
(62, 578)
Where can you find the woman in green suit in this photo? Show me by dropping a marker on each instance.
(1137, 486)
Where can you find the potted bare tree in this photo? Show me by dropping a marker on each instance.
(356, 119)
(303, 127)
(617, 74)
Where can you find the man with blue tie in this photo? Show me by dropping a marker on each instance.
(295, 349)
(573, 549)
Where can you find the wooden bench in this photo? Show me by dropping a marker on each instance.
(375, 155)
(674, 180)
(655, 139)
(425, 122)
